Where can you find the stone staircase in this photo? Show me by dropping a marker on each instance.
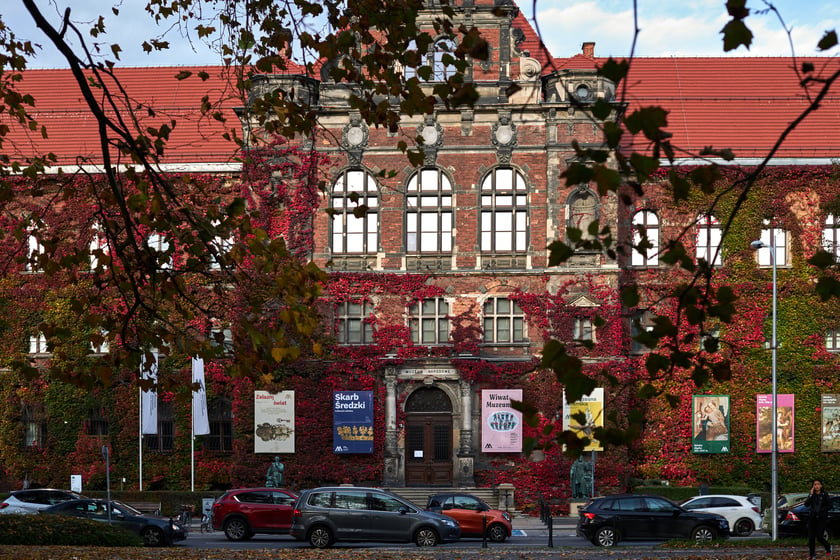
(420, 496)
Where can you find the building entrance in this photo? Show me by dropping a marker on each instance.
(428, 438)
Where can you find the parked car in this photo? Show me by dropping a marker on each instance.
(793, 521)
(784, 501)
(475, 517)
(244, 512)
(739, 511)
(607, 520)
(36, 499)
(325, 515)
(155, 530)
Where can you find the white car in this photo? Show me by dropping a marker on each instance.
(743, 515)
(36, 499)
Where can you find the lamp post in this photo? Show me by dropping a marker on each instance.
(773, 447)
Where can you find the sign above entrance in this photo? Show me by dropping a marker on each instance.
(420, 373)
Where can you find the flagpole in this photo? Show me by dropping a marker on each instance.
(192, 447)
(140, 447)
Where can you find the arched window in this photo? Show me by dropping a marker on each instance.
(504, 211)
(708, 239)
(355, 213)
(645, 239)
(220, 438)
(831, 235)
(428, 212)
(34, 251)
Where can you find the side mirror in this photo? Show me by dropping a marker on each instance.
(403, 510)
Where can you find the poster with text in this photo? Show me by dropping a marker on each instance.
(274, 421)
(353, 422)
(710, 424)
(591, 406)
(830, 422)
(764, 423)
(501, 425)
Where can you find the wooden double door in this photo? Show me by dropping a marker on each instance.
(428, 449)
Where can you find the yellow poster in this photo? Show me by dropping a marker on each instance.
(591, 407)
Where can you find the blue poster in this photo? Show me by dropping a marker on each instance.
(353, 422)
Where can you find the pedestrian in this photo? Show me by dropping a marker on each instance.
(818, 502)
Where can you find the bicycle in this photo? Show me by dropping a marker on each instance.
(207, 522)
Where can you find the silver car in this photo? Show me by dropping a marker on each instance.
(323, 516)
(36, 499)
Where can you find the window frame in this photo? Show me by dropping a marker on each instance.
(770, 233)
(648, 221)
(345, 320)
(418, 316)
(164, 440)
(220, 438)
(344, 225)
(418, 212)
(707, 225)
(35, 425)
(494, 212)
(491, 322)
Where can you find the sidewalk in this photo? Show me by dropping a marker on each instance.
(534, 526)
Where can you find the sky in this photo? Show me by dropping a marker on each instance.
(666, 28)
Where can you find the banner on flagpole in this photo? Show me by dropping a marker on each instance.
(148, 398)
(201, 420)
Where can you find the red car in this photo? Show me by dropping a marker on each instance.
(473, 515)
(244, 512)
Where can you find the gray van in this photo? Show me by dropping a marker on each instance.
(325, 515)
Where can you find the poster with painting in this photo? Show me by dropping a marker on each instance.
(710, 429)
(784, 423)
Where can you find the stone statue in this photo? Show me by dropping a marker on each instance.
(580, 478)
(274, 478)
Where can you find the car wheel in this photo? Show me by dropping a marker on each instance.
(236, 529)
(703, 534)
(425, 537)
(320, 537)
(605, 536)
(743, 527)
(152, 536)
(497, 532)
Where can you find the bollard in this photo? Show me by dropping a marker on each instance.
(483, 531)
(550, 532)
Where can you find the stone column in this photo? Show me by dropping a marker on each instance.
(466, 457)
(391, 476)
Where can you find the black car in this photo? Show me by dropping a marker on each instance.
(793, 522)
(155, 530)
(607, 520)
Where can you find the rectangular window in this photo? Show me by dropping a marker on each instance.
(583, 329)
(428, 321)
(504, 322)
(354, 326)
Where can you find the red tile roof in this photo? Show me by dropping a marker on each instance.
(739, 103)
(73, 131)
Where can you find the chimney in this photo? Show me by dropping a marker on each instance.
(589, 49)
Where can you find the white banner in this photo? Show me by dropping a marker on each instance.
(148, 399)
(274, 422)
(201, 421)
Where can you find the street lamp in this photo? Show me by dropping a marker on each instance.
(773, 450)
